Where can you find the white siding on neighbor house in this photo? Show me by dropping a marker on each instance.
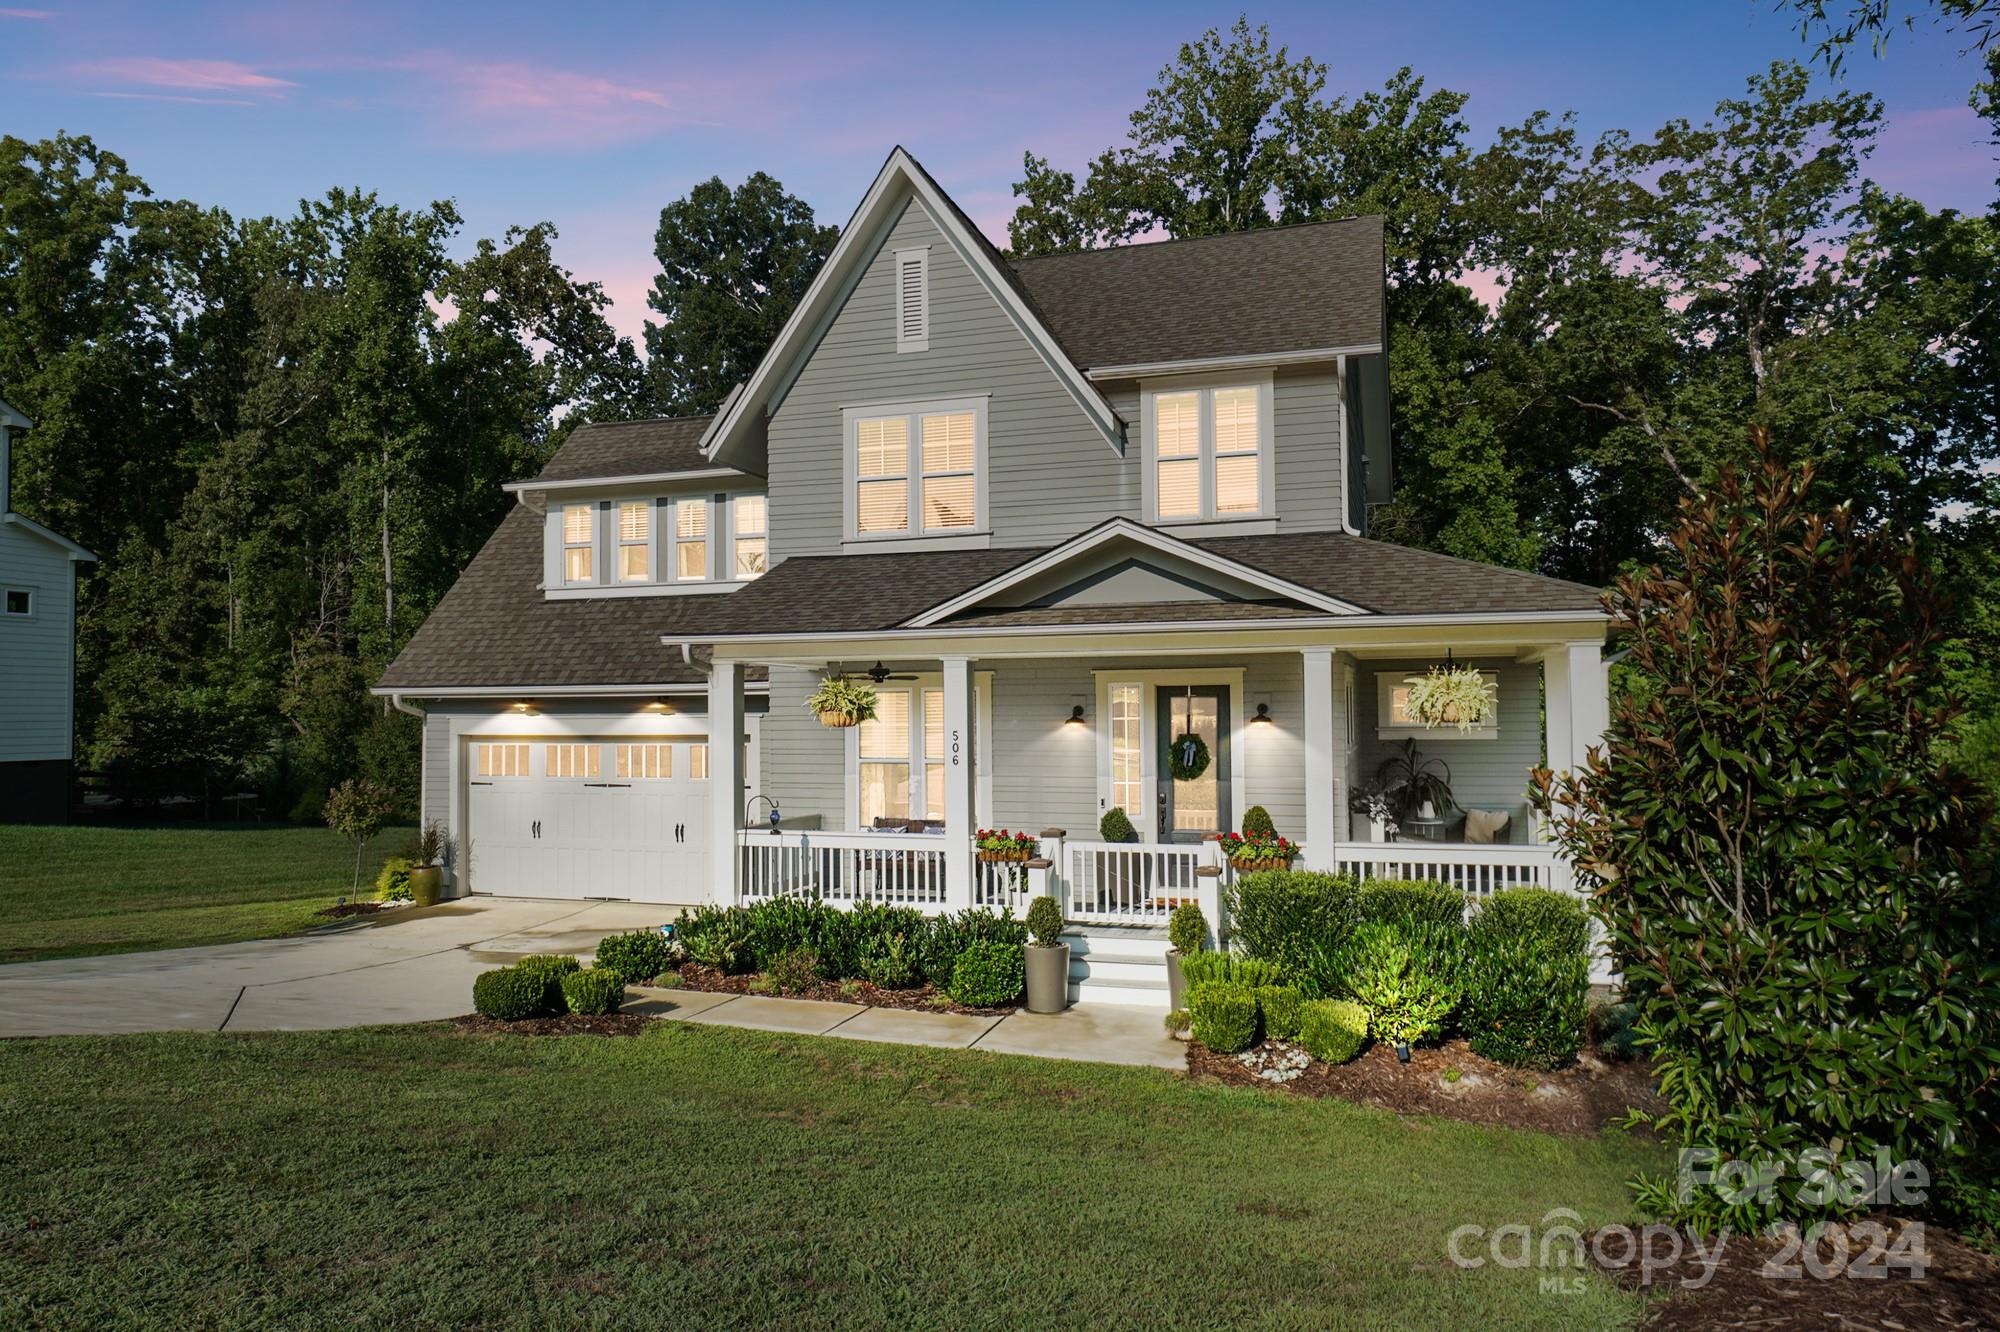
(1485, 774)
(36, 651)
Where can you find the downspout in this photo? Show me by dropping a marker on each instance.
(396, 702)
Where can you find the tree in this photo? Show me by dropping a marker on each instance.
(358, 809)
(1791, 881)
(733, 266)
(1876, 19)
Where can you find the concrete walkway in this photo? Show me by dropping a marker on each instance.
(415, 965)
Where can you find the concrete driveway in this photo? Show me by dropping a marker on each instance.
(407, 966)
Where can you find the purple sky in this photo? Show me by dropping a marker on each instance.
(593, 115)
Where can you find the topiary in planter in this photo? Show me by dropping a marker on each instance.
(1257, 823)
(510, 994)
(1116, 827)
(1332, 1029)
(988, 973)
(636, 957)
(1223, 1015)
(1279, 1007)
(593, 991)
(549, 969)
(1187, 929)
(1045, 921)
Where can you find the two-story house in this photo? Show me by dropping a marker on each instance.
(37, 654)
(1062, 512)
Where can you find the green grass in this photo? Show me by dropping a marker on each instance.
(75, 891)
(421, 1176)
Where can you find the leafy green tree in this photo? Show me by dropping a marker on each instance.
(733, 265)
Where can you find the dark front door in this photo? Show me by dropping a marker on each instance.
(1189, 810)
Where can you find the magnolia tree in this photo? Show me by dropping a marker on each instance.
(1790, 878)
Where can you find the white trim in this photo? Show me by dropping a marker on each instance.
(1250, 360)
(33, 528)
(526, 692)
(900, 175)
(1125, 529)
(919, 258)
(1385, 685)
(920, 683)
(1204, 387)
(688, 588)
(642, 479)
(1147, 823)
(939, 538)
(11, 417)
(31, 592)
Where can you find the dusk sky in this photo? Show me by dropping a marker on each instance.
(593, 115)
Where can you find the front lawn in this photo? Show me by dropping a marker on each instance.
(74, 891)
(428, 1177)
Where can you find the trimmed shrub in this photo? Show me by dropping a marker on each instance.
(638, 956)
(989, 973)
(949, 936)
(509, 994)
(1045, 920)
(847, 938)
(1187, 929)
(1332, 1030)
(549, 969)
(1231, 967)
(1412, 904)
(593, 990)
(393, 883)
(795, 970)
(1177, 1022)
(783, 925)
(1406, 991)
(1116, 827)
(1527, 978)
(1278, 1006)
(717, 937)
(1223, 1015)
(1610, 1027)
(891, 962)
(1257, 822)
(1299, 920)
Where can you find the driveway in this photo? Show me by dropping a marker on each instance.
(410, 966)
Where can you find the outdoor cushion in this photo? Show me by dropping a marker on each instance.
(1485, 826)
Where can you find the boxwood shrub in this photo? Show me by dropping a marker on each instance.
(1408, 984)
(1278, 1009)
(1223, 1015)
(509, 994)
(594, 990)
(1187, 929)
(636, 957)
(549, 969)
(1234, 967)
(1332, 1030)
(1298, 920)
(988, 973)
(393, 883)
(891, 961)
(1527, 978)
(1412, 904)
(798, 969)
(948, 937)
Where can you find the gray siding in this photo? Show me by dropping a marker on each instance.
(804, 763)
(1485, 774)
(1305, 419)
(36, 652)
(437, 768)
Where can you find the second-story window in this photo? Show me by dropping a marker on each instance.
(916, 470)
(1208, 453)
(747, 522)
(635, 530)
(579, 534)
(690, 539)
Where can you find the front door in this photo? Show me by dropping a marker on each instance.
(1191, 809)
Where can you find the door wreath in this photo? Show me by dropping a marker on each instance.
(1187, 757)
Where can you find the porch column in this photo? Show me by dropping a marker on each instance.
(958, 783)
(725, 777)
(1324, 759)
(1578, 702)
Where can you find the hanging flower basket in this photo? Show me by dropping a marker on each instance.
(1187, 757)
(1457, 696)
(840, 701)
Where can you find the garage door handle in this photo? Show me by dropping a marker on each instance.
(479, 783)
(536, 830)
(620, 785)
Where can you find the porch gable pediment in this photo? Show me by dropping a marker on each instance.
(1123, 563)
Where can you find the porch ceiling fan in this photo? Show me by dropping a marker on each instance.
(878, 673)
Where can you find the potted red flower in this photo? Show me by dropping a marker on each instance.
(1258, 851)
(1004, 845)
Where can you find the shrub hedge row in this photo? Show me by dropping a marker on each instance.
(546, 985)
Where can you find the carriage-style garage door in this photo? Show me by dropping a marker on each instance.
(593, 817)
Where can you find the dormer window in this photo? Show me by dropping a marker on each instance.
(916, 470)
(635, 541)
(579, 534)
(913, 300)
(690, 540)
(1208, 452)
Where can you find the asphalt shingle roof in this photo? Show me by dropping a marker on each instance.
(630, 448)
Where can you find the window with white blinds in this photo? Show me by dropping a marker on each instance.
(748, 517)
(690, 540)
(1208, 453)
(884, 742)
(882, 475)
(579, 535)
(913, 300)
(635, 531)
(916, 470)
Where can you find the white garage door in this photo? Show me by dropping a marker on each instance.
(589, 818)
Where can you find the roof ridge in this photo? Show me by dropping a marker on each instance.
(1191, 240)
(649, 420)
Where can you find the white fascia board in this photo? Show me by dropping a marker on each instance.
(553, 691)
(76, 552)
(638, 479)
(1125, 529)
(855, 247)
(1248, 361)
(12, 418)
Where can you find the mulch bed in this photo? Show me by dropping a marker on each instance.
(1960, 1287)
(1577, 1100)
(346, 909)
(569, 1024)
(924, 999)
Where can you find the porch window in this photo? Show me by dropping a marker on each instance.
(884, 741)
(690, 540)
(1394, 722)
(916, 470)
(1209, 452)
(748, 518)
(579, 534)
(933, 753)
(1126, 790)
(635, 528)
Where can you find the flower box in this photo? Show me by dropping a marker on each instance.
(993, 857)
(1250, 863)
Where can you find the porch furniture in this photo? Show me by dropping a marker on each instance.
(1425, 830)
(1484, 827)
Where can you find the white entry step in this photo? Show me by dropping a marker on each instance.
(1110, 964)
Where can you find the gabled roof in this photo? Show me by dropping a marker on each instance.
(900, 180)
(34, 528)
(1313, 287)
(658, 449)
(12, 418)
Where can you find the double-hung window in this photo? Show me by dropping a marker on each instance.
(579, 536)
(916, 470)
(691, 539)
(635, 530)
(1208, 452)
(884, 742)
(748, 517)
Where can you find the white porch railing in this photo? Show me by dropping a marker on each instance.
(1129, 883)
(1476, 871)
(894, 869)
(1001, 885)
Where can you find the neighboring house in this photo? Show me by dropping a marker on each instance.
(37, 654)
(1063, 509)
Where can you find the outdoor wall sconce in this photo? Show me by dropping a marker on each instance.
(1075, 717)
(525, 709)
(1263, 714)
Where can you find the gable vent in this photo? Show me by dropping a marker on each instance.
(913, 313)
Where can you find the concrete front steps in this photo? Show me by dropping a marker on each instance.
(1117, 964)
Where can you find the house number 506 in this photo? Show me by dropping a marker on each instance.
(954, 748)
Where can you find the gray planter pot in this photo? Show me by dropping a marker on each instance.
(1176, 983)
(1048, 978)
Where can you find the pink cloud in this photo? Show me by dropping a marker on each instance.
(516, 104)
(33, 15)
(198, 75)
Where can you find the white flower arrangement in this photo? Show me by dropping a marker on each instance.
(1451, 696)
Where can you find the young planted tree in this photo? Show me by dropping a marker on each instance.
(1790, 877)
(358, 809)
